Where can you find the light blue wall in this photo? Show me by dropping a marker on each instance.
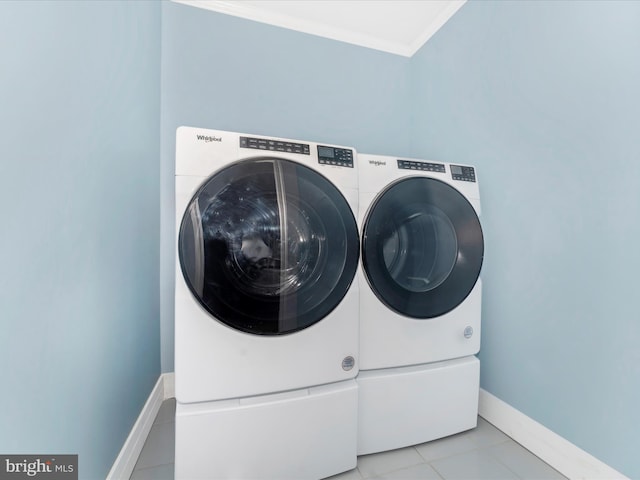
(544, 97)
(228, 73)
(79, 246)
(541, 96)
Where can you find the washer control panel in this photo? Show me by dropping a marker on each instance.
(341, 157)
(274, 145)
(465, 174)
(422, 166)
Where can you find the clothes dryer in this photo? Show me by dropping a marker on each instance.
(420, 301)
(266, 307)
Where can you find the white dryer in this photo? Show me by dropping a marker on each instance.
(420, 301)
(266, 307)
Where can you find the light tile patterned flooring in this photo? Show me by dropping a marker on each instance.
(482, 453)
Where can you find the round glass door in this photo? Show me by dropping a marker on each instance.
(422, 247)
(268, 246)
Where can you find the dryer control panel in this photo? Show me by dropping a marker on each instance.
(465, 174)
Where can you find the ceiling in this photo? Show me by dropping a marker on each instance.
(395, 26)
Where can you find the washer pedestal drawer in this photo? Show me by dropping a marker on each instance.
(309, 433)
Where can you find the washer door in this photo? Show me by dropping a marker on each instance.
(422, 247)
(268, 246)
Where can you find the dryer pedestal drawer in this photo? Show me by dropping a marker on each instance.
(399, 407)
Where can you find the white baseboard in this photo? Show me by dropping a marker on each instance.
(564, 456)
(169, 385)
(126, 461)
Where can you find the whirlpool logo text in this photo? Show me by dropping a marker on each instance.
(377, 163)
(209, 138)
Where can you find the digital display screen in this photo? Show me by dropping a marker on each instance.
(325, 152)
(456, 170)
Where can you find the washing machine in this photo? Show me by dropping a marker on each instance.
(266, 307)
(420, 301)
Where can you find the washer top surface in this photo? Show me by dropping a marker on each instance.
(201, 152)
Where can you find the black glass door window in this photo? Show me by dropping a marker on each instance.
(422, 247)
(268, 246)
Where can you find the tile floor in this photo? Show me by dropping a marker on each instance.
(482, 453)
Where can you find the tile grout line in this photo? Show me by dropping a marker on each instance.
(493, 455)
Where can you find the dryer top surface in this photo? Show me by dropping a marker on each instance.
(378, 171)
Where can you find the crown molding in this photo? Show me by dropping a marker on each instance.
(321, 29)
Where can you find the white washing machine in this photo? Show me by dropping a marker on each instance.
(266, 307)
(420, 301)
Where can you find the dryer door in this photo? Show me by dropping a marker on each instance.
(422, 247)
(268, 246)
